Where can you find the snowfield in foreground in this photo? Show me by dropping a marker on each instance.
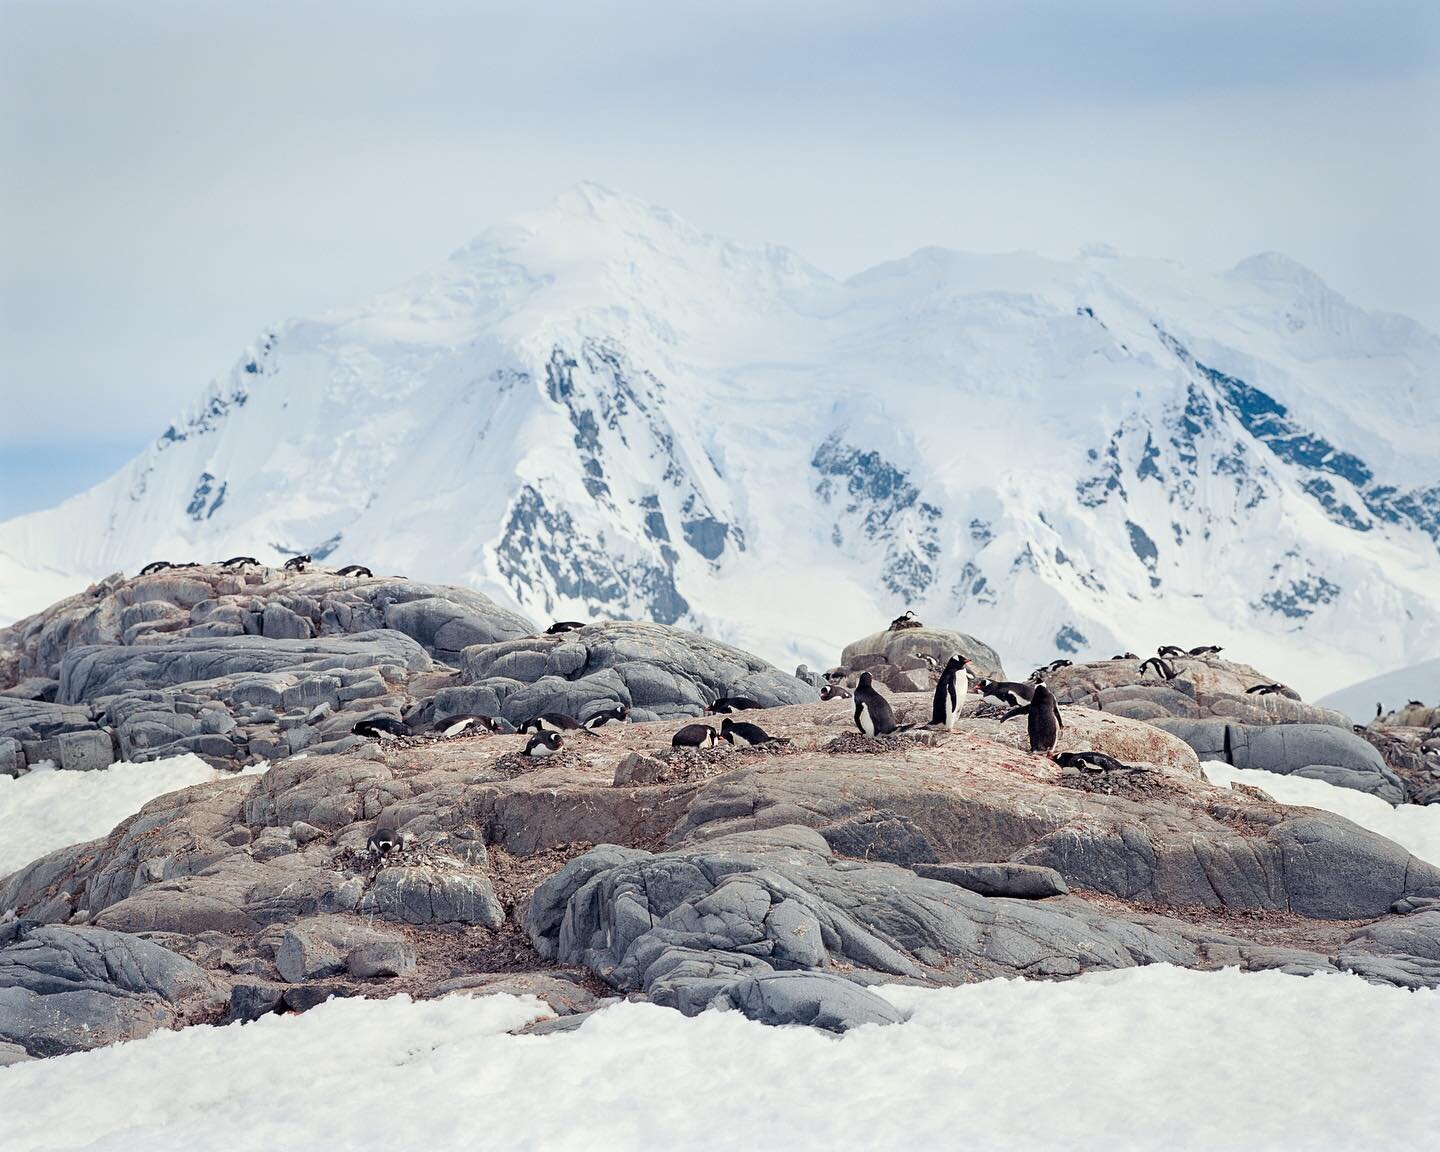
(1413, 827)
(48, 809)
(1154, 1057)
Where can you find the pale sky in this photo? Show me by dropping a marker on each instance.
(174, 176)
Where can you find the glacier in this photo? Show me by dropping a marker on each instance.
(599, 410)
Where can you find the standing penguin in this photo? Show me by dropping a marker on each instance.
(873, 715)
(1042, 719)
(950, 693)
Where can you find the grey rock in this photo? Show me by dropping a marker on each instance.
(1021, 881)
(252, 1001)
(660, 670)
(638, 768)
(67, 989)
(941, 643)
(431, 895)
(817, 999)
(881, 835)
(382, 959)
(304, 955)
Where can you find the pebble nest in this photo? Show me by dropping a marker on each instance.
(858, 744)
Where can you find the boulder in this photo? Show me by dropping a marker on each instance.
(66, 989)
(896, 647)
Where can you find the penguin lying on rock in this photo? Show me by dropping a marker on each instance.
(834, 692)
(1162, 667)
(747, 735)
(239, 562)
(1170, 650)
(1095, 762)
(733, 704)
(620, 714)
(461, 725)
(694, 736)
(296, 563)
(354, 570)
(1264, 689)
(380, 728)
(1006, 691)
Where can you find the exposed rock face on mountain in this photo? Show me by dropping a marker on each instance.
(776, 881)
(1056, 452)
(261, 664)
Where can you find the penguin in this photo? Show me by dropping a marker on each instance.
(1264, 689)
(1056, 665)
(560, 627)
(380, 728)
(835, 675)
(1415, 704)
(354, 570)
(385, 840)
(1094, 762)
(1379, 710)
(733, 704)
(454, 726)
(239, 562)
(909, 620)
(1170, 650)
(834, 692)
(1006, 691)
(873, 715)
(1042, 719)
(1206, 650)
(747, 735)
(694, 736)
(620, 714)
(1125, 656)
(950, 695)
(543, 744)
(931, 664)
(550, 722)
(1162, 668)
(155, 566)
(296, 563)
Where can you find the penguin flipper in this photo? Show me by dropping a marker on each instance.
(1023, 710)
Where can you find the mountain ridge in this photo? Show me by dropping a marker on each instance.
(603, 410)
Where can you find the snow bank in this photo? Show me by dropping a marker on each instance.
(1413, 827)
(1144, 1058)
(47, 809)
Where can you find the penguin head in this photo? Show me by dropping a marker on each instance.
(865, 679)
(726, 727)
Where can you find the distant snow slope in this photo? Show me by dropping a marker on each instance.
(1142, 1058)
(1391, 689)
(601, 410)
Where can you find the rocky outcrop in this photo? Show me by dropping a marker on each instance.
(257, 665)
(1204, 687)
(655, 670)
(1315, 751)
(1412, 753)
(779, 882)
(65, 989)
(902, 650)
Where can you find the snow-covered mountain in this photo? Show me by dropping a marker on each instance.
(599, 410)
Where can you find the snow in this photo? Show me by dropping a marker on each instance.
(1155, 1057)
(624, 369)
(48, 808)
(1414, 827)
(1391, 689)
